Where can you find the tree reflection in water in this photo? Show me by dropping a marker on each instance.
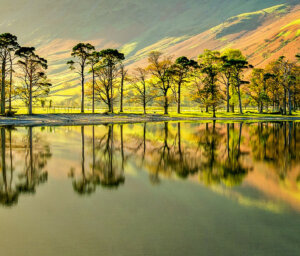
(35, 153)
(106, 169)
(276, 144)
(214, 153)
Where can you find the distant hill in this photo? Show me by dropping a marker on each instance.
(262, 36)
(139, 26)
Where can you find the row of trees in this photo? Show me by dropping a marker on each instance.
(30, 69)
(217, 78)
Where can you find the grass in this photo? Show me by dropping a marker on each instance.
(246, 21)
(295, 22)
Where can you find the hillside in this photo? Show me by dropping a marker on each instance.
(262, 36)
(135, 27)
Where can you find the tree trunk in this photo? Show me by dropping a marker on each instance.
(232, 94)
(261, 108)
(214, 111)
(109, 104)
(121, 99)
(166, 105)
(3, 86)
(10, 83)
(144, 97)
(240, 100)
(111, 91)
(179, 98)
(290, 100)
(294, 98)
(122, 89)
(82, 89)
(284, 102)
(227, 95)
(30, 98)
(93, 107)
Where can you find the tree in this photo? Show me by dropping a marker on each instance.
(198, 94)
(181, 70)
(102, 86)
(107, 72)
(32, 68)
(258, 89)
(288, 78)
(161, 74)
(209, 65)
(227, 73)
(110, 59)
(238, 63)
(144, 95)
(123, 73)
(93, 60)
(8, 45)
(275, 91)
(81, 52)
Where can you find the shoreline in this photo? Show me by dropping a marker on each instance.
(94, 119)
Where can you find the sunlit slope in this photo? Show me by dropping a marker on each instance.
(134, 26)
(262, 36)
(140, 21)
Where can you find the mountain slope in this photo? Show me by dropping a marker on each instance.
(133, 26)
(262, 36)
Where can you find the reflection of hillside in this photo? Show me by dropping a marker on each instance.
(34, 155)
(275, 152)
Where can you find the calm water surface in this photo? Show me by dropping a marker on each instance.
(151, 189)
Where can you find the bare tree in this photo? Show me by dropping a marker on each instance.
(160, 69)
(32, 73)
(143, 92)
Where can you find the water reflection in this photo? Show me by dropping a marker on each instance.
(276, 144)
(34, 153)
(214, 154)
(106, 170)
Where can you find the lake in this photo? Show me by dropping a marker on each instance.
(172, 188)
